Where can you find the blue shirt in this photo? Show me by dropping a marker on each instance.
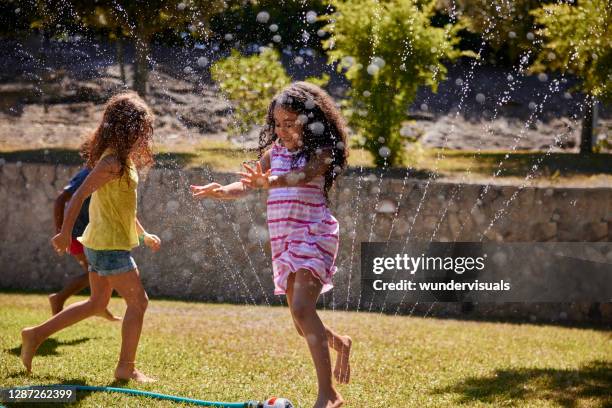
(83, 217)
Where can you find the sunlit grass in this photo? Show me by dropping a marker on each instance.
(464, 165)
(235, 353)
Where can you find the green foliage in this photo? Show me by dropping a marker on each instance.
(249, 83)
(387, 49)
(240, 20)
(505, 26)
(578, 40)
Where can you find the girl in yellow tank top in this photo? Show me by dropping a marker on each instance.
(112, 212)
(119, 146)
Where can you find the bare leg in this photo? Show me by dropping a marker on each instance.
(32, 337)
(305, 291)
(128, 285)
(341, 344)
(74, 286)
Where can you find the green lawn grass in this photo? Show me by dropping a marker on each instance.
(461, 165)
(235, 353)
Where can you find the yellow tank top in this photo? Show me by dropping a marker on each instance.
(112, 214)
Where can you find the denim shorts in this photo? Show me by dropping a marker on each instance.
(112, 262)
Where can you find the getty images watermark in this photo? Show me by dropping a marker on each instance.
(393, 272)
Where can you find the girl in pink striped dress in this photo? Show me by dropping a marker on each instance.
(302, 150)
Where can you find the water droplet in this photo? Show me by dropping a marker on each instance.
(273, 28)
(480, 98)
(348, 61)
(317, 128)
(309, 104)
(373, 69)
(303, 119)
(263, 17)
(530, 36)
(367, 94)
(379, 62)
(458, 81)
(188, 70)
(381, 140)
(277, 38)
(311, 17)
(510, 78)
(292, 179)
(551, 56)
(318, 151)
(533, 105)
(298, 60)
(340, 146)
(386, 206)
(384, 152)
(181, 6)
(228, 37)
(424, 107)
(305, 37)
(202, 61)
(542, 77)
(321, 33)
(567, 95)
(512, 34)
(337, 169)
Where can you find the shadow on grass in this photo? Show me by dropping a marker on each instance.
(50, 346)
(521, 163)
(592, 382)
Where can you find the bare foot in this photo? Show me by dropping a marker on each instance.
(29, 345)
(342, 371)
(129, 372)
(109, 316)
(56, 305)
(333, 401)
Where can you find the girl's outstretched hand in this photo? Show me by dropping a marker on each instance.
(61, 243)
(205, 191)
(255, 178)
(152, 241)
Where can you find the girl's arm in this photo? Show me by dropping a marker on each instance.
(106, 170)
(58, 209)
(259, 178)
(230, 191)
(150, 240)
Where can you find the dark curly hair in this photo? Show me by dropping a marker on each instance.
(127, 129)
(325, 128)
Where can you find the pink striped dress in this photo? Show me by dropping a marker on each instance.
(303, 233)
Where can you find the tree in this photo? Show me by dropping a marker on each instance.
(577, 39)
(506, 26)
(141, 20)
(250, 83)
(387, 50)
(282, 24)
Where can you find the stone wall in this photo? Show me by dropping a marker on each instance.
(219, 251)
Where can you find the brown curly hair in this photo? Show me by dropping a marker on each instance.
(126, 129)
(317, 106)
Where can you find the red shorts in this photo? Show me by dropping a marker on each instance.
(76, 248)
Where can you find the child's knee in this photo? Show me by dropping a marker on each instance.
(139, 302)
(98, 304)
(298, 328)
(301, 311)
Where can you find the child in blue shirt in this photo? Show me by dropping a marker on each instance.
(80, 282)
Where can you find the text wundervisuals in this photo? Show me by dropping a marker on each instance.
(406, 285)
